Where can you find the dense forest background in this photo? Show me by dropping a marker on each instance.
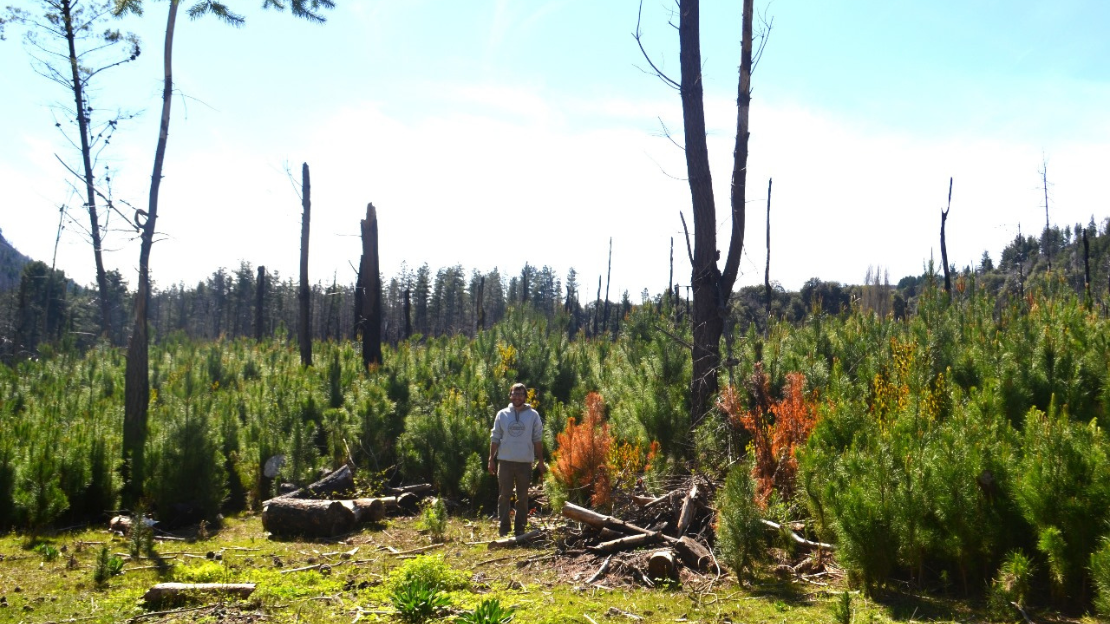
(39, 304)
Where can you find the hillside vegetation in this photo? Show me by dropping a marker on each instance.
(959, 446)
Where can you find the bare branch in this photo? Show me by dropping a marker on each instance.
(686, 231)
(667, 80)
(107, 199)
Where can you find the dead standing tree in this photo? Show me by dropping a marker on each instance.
(304, 292)
(371, 286)
(943, 247)
(712, 287)
(136, 376)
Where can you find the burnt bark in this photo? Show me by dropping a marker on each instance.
(371, 291)
(767, 268)
(943, 247)
(304, 293)
(711, 286)
(260, 304)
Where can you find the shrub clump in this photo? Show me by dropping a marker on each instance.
(739, 530)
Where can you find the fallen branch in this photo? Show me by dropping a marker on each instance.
(600, 571)
(647, 501)
(337, 481)
(801, 541)
(415, 550)
(600, 521)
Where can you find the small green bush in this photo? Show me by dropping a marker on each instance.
(739, 530)
(106, 567)
(433, 518)
(842, 608)
(430, 570)
(1010, 586)
(1100, 574)
(489, 611)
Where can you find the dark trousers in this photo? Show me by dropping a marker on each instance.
(509, 475)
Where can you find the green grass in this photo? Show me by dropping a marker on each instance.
(356, 583)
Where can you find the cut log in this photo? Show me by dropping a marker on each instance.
(338, 481)
(686, 515)
(505, 542)
(625, 543)
(418, 488)
(693, 553)
(600, 521)
(166, 591)
(318, 518)
(369, 509)
(661, 565)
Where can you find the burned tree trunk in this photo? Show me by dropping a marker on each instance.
(259, 304)
(408, 315)
(711, 286)
(608, 280)
(943, 248)
(304, 294)
(767, 268)
(480, 308)
(371, 320)
(1087, 272)
(137, 374)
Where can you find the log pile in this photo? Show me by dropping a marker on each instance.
(303, 513)
(676, 528)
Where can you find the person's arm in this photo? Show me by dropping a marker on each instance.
(539, 456)
(492, 467)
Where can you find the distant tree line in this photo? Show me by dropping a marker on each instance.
(43, 306)
(46, 307)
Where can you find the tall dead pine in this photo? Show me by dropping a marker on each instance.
(943, 248)
(304, 294)
(371, 320)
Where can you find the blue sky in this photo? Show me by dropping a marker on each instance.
(491, 133)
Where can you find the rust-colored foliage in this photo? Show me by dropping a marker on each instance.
(582, 461)
(777, 429)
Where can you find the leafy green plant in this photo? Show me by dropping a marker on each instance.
(433, 518)
(417, 602)
(48, 551)
(489, 611)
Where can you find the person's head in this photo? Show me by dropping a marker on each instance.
(518, 394)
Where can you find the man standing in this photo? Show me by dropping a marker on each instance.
(515, 441)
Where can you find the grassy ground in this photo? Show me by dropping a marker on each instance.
(350, 582)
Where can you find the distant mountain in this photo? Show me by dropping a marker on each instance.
(11, 264)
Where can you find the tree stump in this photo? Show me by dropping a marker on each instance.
(661, 565)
